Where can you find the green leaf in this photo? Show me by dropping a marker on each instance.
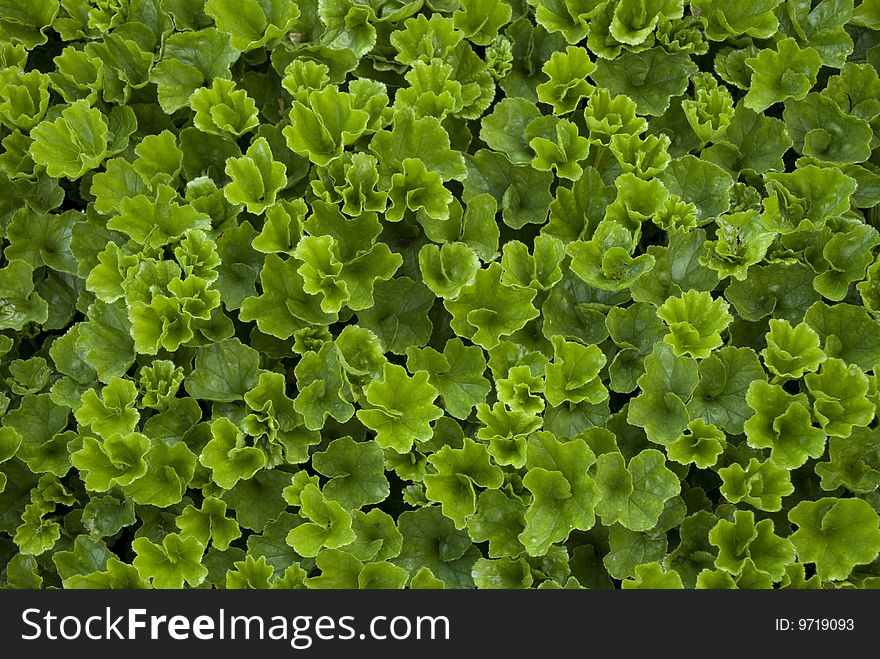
(423, 38)
(40, 423)
(283, 307)
(782, 422)
(227, 456)
(458, 471)
(792, 351)
(478, 85)
(869, 289)
(26, 24)
(430, 540)
(711, 111)
(668, 382)
(249, 574)
(652, 576)
(725, 377)
(19, 303)
(356, 471)
(324, 389)
(339, 569)
(522, 193)
(840, 401)
(256, 178)
(822, 26)
(506, 431)
(743, 540)
(567, 85)
(117, 575)
(761, 484)
(866, 14)
(629, 549)
(157, 221)
(731, 19)
(177, 560)
(787, 72)
(304, 76)
(257, 501)
(605, 261)
(432, 90)
(382, 575)
(741, 242)
(700, 444)
(677, 268)
(415, 188)
(419, 138)
(634, 21)
(570, 17)
(348, 25)
(560, 150)
(645, 157)
(377, 536)
(786, 291)
(634, 494)
(252, 24)
(223, 110)
(456, 373)
(573, 375)
(448, 268)
(10, 441)
(563, 495)
(520, 390)
(271, 543)
(159, 384)
(401, 408)
(835, 534)
(504, 130)
(821, 130)
(701, 183)
(24, 99)
(847, 332)
(74, 143)
(344, 262)
(36, 535)
(845, 259)
(88, 555)
(506, 573)
(487, 309)
(650, 78)
(607, 115)
(499, 519)
(113, 412)
(634, 329)
(752, 142)
(117, 460)
(105, 516)
(329, 524)
(805, 199)
(541, 270)
(170, 470)
(224, 371)
(853, 462)
(191, 59)
(209, 524)
(282, 229)
(695, 322)
(321, 129)
(481, 21)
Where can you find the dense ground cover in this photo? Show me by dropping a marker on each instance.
(441, 293)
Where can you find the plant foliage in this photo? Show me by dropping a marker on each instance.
(448, 293)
